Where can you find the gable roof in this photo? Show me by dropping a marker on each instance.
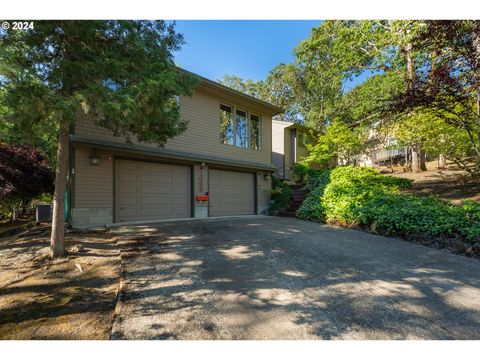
(273, 109)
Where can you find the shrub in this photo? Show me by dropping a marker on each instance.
(362, 196)
(280, 194)
(300, 171)
(311, 207)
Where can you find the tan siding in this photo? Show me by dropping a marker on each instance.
(93, 183)
(263, 191)
(202, 135)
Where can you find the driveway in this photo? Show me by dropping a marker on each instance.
(283, 278)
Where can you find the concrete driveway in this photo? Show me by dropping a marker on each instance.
(283, 278)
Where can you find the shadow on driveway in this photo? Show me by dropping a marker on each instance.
(282, 278)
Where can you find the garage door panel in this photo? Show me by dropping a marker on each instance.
(151, 191)
(230, 193)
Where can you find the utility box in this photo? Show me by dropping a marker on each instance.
(43, 213)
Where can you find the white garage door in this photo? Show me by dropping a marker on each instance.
(151, 191)
(230, 193)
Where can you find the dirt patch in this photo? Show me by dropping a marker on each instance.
(68, 298)
(451, 183)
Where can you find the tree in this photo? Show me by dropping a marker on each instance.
(339, 144)
(25, 173)
(120, 73)
(249, 86)
(447, 79)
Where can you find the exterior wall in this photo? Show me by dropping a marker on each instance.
(93, 197)
(93, 193)
(263, 194)
(278, 147)
(203, 132)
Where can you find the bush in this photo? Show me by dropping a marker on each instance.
(300, 171)
(311, 207)
(363, 196)
(280, 194)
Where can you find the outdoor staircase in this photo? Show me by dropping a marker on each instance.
(298, 195)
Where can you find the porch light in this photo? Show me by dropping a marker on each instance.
(266, 177)
(94, 158)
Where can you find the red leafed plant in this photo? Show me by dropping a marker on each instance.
(25, 173)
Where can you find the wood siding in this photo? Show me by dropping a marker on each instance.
(93, 183)
(202, 135)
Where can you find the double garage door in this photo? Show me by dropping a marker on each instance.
(153, 191)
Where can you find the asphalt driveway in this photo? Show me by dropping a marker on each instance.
(283, 278)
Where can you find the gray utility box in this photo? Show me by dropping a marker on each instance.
(43, 213)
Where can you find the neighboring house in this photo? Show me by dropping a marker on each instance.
(289, 146)
(380, 148)
(221, 165)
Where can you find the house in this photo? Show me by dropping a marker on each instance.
(221, 165)
(289, 146)
(380, 148)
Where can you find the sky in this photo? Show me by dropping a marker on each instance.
(245, 48)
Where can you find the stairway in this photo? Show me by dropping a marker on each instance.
(298, 195)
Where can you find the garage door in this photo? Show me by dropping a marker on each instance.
(230, 193)
(151, 191)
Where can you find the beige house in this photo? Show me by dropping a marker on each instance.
(289, 145)
(221, 165)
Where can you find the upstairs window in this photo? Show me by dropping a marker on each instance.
(241, 129)
(255, 132)
(226, 125)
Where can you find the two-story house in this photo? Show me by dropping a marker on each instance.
(289, 146)
(221, 165)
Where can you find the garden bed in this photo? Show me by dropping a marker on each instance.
(365, 199)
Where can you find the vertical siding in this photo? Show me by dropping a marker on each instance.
(202, 135)
(93, 183)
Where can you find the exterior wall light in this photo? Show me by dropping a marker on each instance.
(266, 177)
(94, 158)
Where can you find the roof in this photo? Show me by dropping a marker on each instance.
(168, 154)
(251, 99)
(289, 125)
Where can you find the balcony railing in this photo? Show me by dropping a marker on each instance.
(386, 153)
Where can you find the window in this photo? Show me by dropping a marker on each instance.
(226, 125)
(303, 138)
(255, 132)
(241, 129)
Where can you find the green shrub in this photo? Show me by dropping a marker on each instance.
(300, 171)
(280, 194)
(311, 207)
(362, 196)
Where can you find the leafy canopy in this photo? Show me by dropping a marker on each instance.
(120, 73)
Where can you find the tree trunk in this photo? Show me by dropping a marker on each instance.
(57, 239)
(442, 162)
(423, 160)
(415, 159)
(476, 45)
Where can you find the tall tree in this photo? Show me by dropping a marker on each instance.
(120, 73)
(447, 79)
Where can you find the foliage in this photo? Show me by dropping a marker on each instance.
(300, 170)
(338, 144)
(447, 77)
(25, 173)
(120, 73)
(363, 196)
(436, 136)
(280, 194)
(311, 207)
(248, 86)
